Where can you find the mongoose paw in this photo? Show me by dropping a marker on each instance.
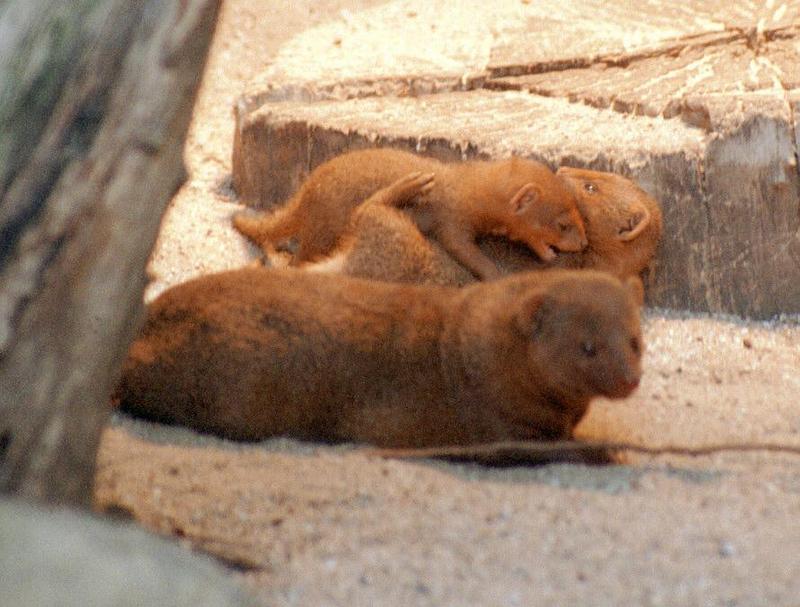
(413, 185)
(545, 252)
(429, 181)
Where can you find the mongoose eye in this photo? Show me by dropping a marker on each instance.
(564, 227)
(590, 187)
(588, 348)
(635, 345)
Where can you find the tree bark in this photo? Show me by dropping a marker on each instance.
(95, 103)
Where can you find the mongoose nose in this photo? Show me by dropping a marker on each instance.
(632, 381)
(623, 385)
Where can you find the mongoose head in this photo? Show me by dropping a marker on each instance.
(623, 222)
(584, 335)
(545, 211)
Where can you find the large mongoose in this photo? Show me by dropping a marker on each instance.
(521, 198)
(623, 226)
(258, 352)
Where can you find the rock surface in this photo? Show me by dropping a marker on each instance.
(698, 102)
(58, 557)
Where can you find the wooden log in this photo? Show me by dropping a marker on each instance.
(95, 102)
(697, 101)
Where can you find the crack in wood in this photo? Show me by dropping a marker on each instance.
(34, 288)
(755, 37)
(692, 112)
(709, 288)
(5, 441)
(670, 48)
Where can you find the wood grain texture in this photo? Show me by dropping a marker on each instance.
(95, 102)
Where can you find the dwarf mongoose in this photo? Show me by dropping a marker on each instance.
(623, 222)
(258, 352)
(519, 198)
(623, 225)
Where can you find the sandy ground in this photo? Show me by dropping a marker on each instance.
(304, 524)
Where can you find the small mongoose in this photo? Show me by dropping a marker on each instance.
(623, 225)
(623, 222)
(518, 197)
(258, 352)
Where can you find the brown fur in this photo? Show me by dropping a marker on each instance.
(623, 222)
(252, 353)
(517, 197)
(623, 225)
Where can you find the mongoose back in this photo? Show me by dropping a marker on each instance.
(519, 198)
(258, 352)
(623, 225)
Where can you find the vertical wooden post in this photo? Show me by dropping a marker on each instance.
(95, 102)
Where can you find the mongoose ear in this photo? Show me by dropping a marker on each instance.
(525, 197)
(529, 314)
(634, 286)
(634, 226)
